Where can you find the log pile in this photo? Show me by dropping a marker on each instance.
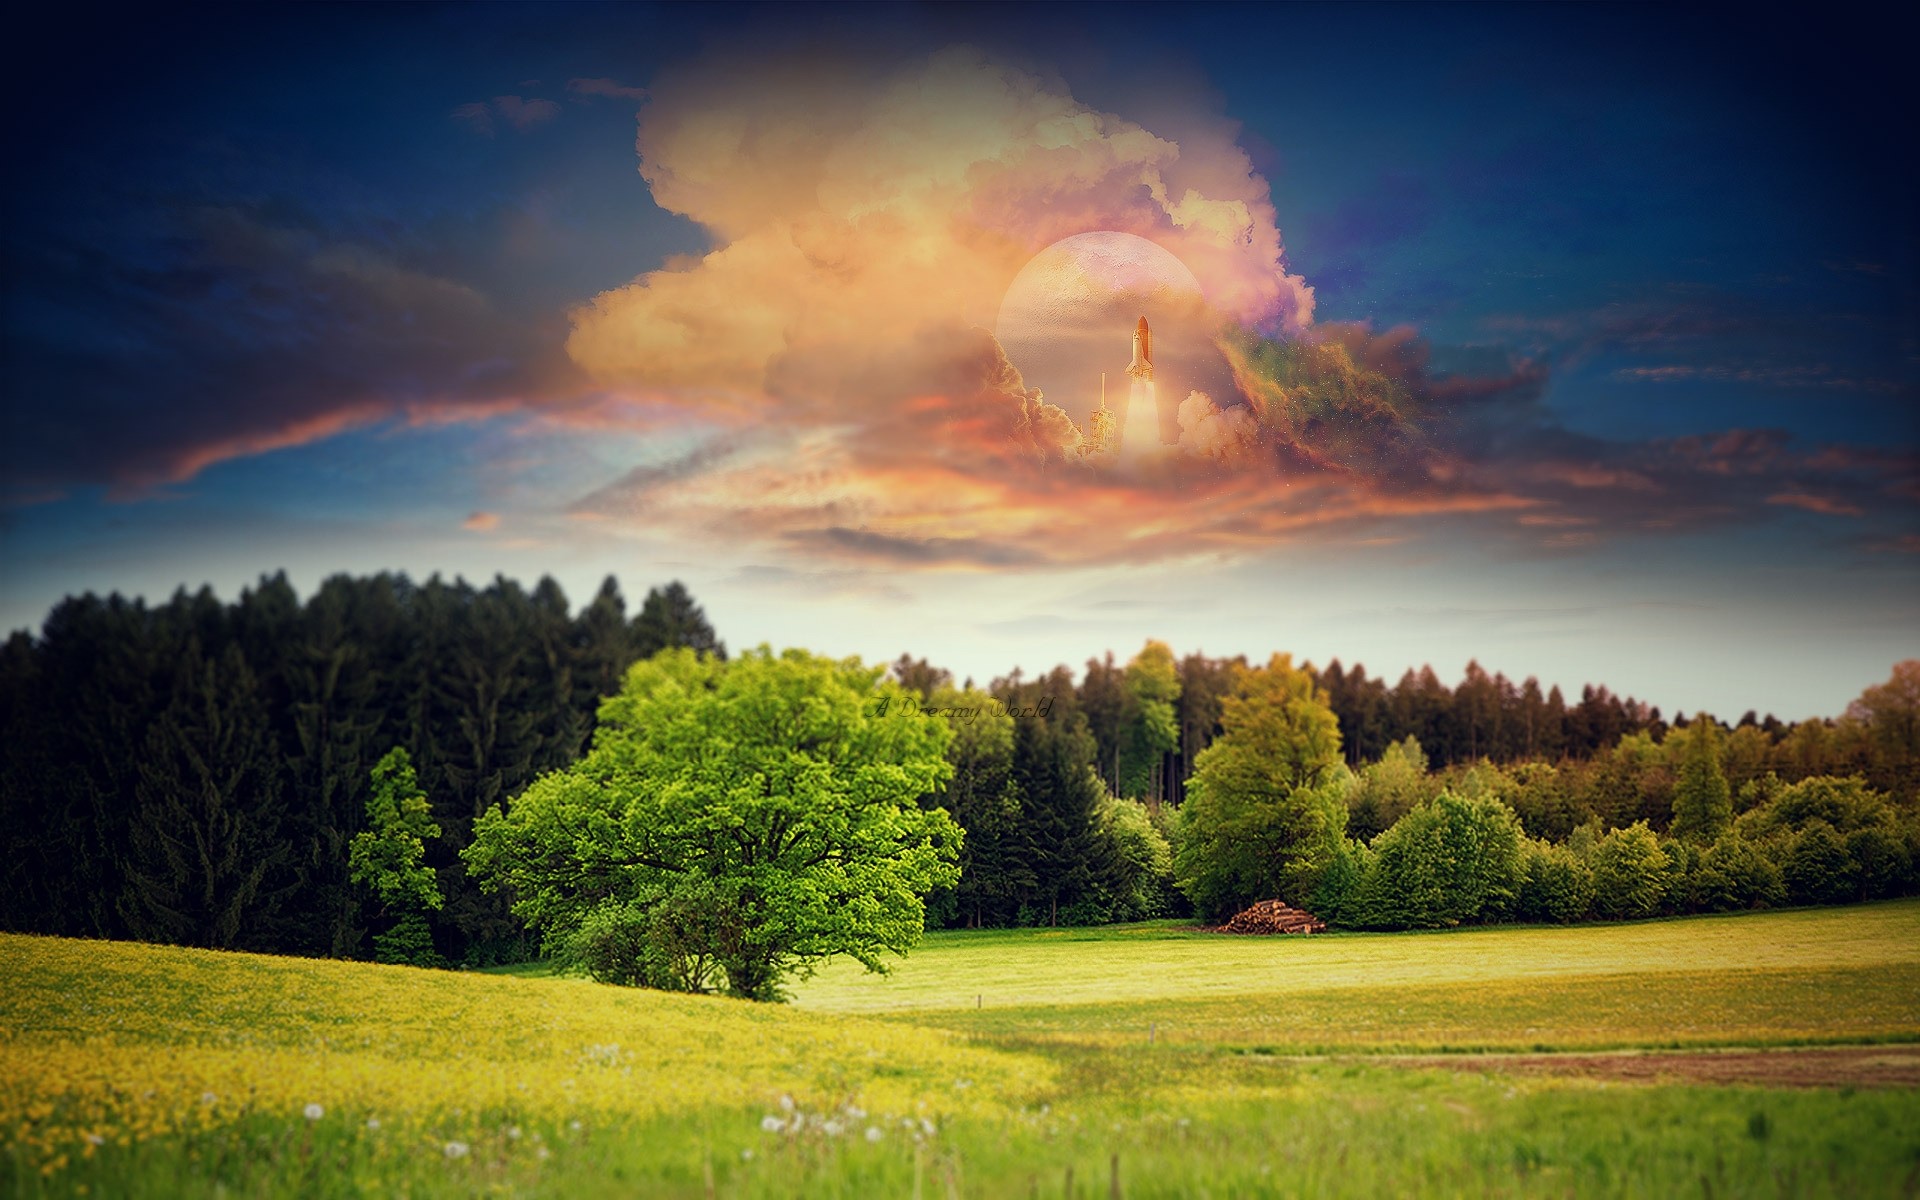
(1273, 916)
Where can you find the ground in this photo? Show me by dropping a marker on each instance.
(1762, 1054)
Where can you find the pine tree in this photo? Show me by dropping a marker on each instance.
(1702, 801)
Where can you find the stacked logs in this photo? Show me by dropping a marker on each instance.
(1273, 916)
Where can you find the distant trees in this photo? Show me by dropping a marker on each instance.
(196, 771)
(733, 823)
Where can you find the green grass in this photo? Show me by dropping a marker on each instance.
(1028, 967)
(994, 1064)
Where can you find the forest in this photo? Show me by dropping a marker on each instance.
(195, 772)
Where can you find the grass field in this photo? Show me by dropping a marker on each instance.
(992, 1064)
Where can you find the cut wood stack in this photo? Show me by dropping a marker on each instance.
(1273, 916)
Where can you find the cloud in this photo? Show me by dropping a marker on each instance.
(481, 522)
(521, 113)
(605, 87)
(1813, 502)
(239, 330)
(852, 210)
(865, 224)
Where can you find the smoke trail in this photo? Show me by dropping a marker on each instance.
(1140, 430)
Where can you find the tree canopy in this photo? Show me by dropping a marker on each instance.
(734, 823)
(1265, 808)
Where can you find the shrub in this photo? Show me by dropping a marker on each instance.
(1450, 861)
(1817, 868)
(1735, 874)
(1629, 873)
(1556, 886)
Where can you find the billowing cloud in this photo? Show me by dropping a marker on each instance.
(866, 227)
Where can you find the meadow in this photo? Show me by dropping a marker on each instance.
(1147, 1060)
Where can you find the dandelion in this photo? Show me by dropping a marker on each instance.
(513, 1133)
(786, 1102)
(874, 1134)
(314, 1112)
(832, 1128)
(94, 1139)
(543, 1154)
(456, 1149)
(772, 1124)
(927, 1127)
(208, 1098)
(373, 1122)
(574, 1125)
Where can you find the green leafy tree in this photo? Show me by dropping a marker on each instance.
(1818, 869)
(1702, 802)
(1142, 880)
(1629, 873)
(1149, 724)
(390, 857)
(1557, 886)
(1389, 789)
(1266, 807)
(759, 815)
(1735, 874)
(1448, 862)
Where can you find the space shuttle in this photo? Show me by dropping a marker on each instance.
(1142, 365)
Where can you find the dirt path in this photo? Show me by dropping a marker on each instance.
(1818, 1066)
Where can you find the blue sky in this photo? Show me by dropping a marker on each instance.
(294, 289)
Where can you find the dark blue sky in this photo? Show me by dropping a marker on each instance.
(272, 303)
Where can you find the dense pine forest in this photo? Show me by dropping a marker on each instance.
(195, 772)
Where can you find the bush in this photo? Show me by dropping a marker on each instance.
(656, 949)
(1734, 874)
(1556, 886)
(1336, 897)
(1142, 884)
(1818, 869)
(1879, 862)
(1450, 861)
(1629, 873)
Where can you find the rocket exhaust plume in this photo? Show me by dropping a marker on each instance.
(1140, 431)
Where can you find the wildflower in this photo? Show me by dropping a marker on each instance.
(874, 1134)
(746, 1156)
(771, 1123)
(208, 1097)
(786, 1102)
(373, 1122)
(832, 1128)
(456, 1149)
(314, 1112)
(94, 1139)
(574, 1125)
(543, 1154)
(513, 1133)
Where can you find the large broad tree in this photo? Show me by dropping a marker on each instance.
(1266, 807)
(733, 824)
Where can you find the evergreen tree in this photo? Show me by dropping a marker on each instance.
(207, 826)
(1702, 802)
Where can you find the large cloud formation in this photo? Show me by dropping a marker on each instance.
(865, 228)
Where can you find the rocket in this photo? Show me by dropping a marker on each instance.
(1142, 365)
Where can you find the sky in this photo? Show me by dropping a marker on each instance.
(1578, 341)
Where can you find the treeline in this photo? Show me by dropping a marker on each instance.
(195, 772)
(1071, 790)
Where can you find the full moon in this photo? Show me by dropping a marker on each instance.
(1068, 317)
